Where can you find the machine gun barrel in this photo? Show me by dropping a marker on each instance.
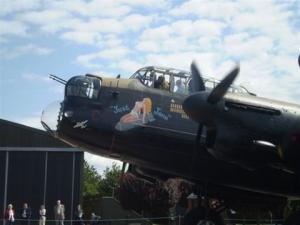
(58, 79)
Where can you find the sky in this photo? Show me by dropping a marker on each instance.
(106, 37)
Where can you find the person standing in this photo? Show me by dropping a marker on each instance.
(95, 219)
(215, 210)
(9, 215)
(25, 214)
(179, 88)
(42, 213)
(59, 213)
(79, 216)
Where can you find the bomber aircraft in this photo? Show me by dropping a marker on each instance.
(175, 122)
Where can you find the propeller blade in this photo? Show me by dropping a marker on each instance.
(124, 167)
(198, 137)
(196, 148)
(299, 60)
(219, 91)
(197, 80)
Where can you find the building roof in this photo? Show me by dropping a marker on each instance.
(17, 135)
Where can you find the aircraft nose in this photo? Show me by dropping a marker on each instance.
(51, 117)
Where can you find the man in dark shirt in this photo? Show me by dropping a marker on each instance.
(25, 214)
(195, 211)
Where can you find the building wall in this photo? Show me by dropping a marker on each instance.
(40, 170)
(25, 181)
(41, 177)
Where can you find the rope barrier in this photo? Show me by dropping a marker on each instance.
(101, 220)
(152, 218)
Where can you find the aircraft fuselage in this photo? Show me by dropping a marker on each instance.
(255, 144)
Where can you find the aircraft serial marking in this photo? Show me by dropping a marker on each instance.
(177, 108)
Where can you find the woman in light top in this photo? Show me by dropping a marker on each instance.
(9, 215)
(42, 213)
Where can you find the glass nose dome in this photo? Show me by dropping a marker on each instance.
(51, 116)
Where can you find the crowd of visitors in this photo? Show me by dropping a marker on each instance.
(25, 215)
(198, 210)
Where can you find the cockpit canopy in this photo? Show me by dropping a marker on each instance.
(83, 86)
(178, 81)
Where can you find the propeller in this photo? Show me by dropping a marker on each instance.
(197, 81)
(202, 105)
(220, 90)
(197, 85)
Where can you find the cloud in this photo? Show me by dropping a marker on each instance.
(273, 77)
(86, 60)
(182, 60)
(97, 30)
(35, 77)
(94, 8)
(242, 45)
(128, 66)
(267, 18)
(82, 37)
(92, 38)
(106, 8)
(166, 38)
(49, 20)
(106, 25)
(114, 54)
(58, 18)
(8, 6)
(88, 29)
(148, 46)
(43, 17)
(17, 51)
(12, 28)
(218, 10)
(135, 22)
(147, 4)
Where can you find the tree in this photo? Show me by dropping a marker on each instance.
(91, 181)
(96, 186)
(109, 180)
